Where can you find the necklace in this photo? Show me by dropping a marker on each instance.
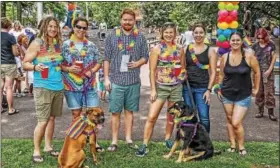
(135, 33)
(169, 54)
(84, 50)
(53, 48)
(195, 60)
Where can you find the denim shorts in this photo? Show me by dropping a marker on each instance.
(243, 103)
(76, 99)
(124, 97)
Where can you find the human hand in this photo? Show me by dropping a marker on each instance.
(74, 69)
(107, 84)
(39, 67)
(133, 64)
(254, 92)
(206, 96)
(266, 73)
(153, 95)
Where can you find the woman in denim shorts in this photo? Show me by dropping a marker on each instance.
(236, 89)
(81, 61)
(166, 75)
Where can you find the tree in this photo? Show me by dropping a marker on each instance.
(3, 9)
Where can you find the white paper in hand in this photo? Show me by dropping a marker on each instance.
(125, 60)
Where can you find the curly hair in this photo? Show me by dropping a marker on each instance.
(6, 23)
(43, 33)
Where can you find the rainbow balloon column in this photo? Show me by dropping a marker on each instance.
(227, 23)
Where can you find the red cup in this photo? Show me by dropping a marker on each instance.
(79, 64)
(177, 70)
(45, 73)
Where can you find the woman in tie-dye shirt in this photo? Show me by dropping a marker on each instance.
(81, 61)
(44, 52)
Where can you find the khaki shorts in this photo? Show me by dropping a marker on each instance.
(48, 103)
(8, 70)
(171, 93)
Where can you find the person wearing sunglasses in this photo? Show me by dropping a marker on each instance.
(265, 52)
(81, 61)
(126, 50)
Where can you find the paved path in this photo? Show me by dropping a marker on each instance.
(22, 125)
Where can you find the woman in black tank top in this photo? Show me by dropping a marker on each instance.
(200, 63)
(236, 88)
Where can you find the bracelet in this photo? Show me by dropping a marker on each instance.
(210, 90)
(34, 68)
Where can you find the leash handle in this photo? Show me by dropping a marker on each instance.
(192, 100)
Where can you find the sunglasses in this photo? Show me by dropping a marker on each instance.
(169, 24)
(81, 27)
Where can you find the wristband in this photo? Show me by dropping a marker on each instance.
(209, 90)
(34, 68)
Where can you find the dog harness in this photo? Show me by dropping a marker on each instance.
(183, 124)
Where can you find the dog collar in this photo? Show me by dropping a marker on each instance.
(178, 120)
(86, 120)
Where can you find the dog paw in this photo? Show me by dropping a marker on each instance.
(166, 156)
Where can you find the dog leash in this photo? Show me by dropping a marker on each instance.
(192, 100)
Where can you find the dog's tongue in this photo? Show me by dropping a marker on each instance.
(99, 126)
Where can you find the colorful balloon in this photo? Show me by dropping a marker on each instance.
(220, 31)
(233, 25)
(221, 6)
(227, 33)
(222, 51)
(229, 19)
(235, 7)
(223, 13)
(235, 3)
(222, 19)
(233, 13)
(225, 44)
(222, 38)
(223, 25)
(219, 44)
(229, 7)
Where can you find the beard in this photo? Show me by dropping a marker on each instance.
(127, 27)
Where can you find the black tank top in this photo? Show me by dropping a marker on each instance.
(198, 78)
(237, 84)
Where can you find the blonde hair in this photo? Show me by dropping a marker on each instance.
(19, 24)
(43, 33)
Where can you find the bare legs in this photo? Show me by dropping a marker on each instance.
(235, 115)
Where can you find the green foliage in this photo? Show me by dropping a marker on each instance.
(110, 11)
(17, 153)
(59, 9)
(157, 13)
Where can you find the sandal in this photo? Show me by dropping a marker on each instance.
(14, 111)
(37, 159)
(112, 148)
(242, 152)
(99, 149)
(131, 145)
(53, 153)
(231, 150)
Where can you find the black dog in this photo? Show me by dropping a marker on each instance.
(196, 142)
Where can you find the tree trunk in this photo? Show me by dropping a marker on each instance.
(19, 12)
(3, 9)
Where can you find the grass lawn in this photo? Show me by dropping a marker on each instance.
(16, 153)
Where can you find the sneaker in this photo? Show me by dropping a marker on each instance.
(22, 94)
(169, 143)
(142, 151)
(18, 94)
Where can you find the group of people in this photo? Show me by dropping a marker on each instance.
(68, 69)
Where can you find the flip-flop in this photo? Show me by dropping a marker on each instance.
(112, 148)
(242, 152)
(15, 111)
(99, 149)
(53, 153)
(37, 159)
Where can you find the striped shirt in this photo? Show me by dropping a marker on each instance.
(114, 56)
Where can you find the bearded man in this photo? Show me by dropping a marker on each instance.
(126, 50)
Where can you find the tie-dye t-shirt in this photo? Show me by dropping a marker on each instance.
(75, 82)
(52, 60)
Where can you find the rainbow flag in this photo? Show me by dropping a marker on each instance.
(247, 41)
(76, 128)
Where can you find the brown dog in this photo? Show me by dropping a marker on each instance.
(72, 154)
